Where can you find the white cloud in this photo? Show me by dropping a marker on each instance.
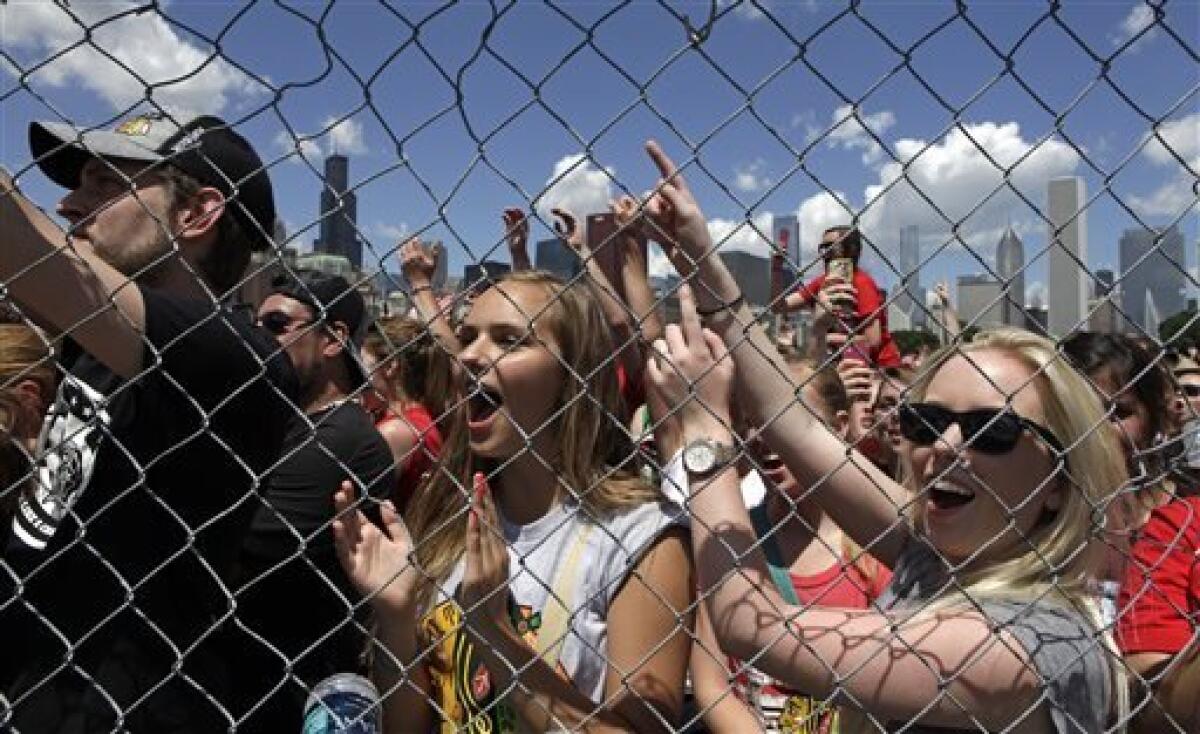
(818, 213)
(178, 73)
(850, 132)
(958, 180)
(750, 178)
(578, 186)
(389, 234)
(1139, 18)
(730, 235)
(1176, 139)
(345, 137)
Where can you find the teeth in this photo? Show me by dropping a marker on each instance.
(953, 489)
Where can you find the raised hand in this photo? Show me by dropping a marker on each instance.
(674, 217)
(418, 263)
(375, 560)
(942, 293)
(691, 368)
(484, 593)
(835, 299)
(627, 212)
(516, 234)
(857, 377)
(569, 230)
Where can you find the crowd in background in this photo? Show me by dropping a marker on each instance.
(542, 507)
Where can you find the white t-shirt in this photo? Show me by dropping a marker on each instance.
(601, 556)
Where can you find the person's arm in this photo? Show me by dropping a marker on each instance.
(647, 645)
(376, 560)
(1174, 681)
(946, 668)
(516, 234)
(865, 502)
(402, 440)
(419, 263)
(67, 288)
(635, 273)
(724, 712)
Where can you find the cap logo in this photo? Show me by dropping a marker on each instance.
(136, 126)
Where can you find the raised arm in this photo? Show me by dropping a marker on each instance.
(635, 272)
(950, 322)
(66, 287)
(418, 263)
(516, 234)
(863, 500)
(945, 668)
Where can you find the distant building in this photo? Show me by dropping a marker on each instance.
(339, 213)
(477, 277)
(1067, 238)
(753, 275)
(785, 234)
(1153, 271)
(557, 257)
(910, 298)
(328, 264)
(264, 267)
(1103, 282)
(1010, 266)
(979, 301)
(1039, 317)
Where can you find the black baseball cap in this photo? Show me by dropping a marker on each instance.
(203, 147)
(332, 299)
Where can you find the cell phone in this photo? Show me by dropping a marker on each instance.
(841, 268)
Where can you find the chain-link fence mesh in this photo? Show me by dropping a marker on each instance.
(269, 461)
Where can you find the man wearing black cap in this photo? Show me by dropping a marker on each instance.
(171, 412)
(291, 591)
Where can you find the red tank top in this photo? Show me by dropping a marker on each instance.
(423, 455)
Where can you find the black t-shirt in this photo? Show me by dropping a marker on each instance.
(149, 479)
(291, 591)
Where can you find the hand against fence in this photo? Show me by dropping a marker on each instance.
(485, 580)
(630, 220)
(832, 299)
(516, 234)
(858, 378)
(376, 560)
(567, 226)
(691, 368)
(418, 263)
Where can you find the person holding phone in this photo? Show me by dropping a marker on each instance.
(845, 298)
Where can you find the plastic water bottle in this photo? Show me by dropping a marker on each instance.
(343, 704)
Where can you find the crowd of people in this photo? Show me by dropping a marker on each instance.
(542, 507)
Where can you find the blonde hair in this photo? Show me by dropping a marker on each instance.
(24, 355)
(595, 464)
(1067, 546)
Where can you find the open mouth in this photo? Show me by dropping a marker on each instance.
(483, 404)
(947, 496)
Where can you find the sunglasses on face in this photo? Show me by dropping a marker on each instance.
(1191, 391)
(279, 323)
(988, 430)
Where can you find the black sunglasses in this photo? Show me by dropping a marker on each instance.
(1191, 391)
(989, 430)
(279, 323)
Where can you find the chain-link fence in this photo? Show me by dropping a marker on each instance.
(920, 459)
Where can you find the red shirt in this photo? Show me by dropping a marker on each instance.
(870, 307)
(423, 455)
(1159, 605)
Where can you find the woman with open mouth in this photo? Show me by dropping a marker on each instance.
(550, 585)
(989, 623)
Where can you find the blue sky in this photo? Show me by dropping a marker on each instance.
(437, 108)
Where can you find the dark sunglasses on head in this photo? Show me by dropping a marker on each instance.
(279, 323)
(989, 430)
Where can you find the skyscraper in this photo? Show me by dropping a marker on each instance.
(1152, 268)
(911, 296)
(1067, 235)
(1010, 266)
(979, 301)
(339, 213)
(557, 257)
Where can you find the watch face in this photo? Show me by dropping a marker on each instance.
(700, 457)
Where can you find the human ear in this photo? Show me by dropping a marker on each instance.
(200, 214)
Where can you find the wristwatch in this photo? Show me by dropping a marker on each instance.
(704, 457)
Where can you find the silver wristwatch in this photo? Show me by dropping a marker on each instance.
(704, 457)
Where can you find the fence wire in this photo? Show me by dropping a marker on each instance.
(248, 487)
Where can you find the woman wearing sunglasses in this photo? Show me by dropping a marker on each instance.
(988, 624)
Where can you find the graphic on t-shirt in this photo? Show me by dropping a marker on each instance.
(67, 448)
(460, 683)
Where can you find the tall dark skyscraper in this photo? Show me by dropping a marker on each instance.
(339, 213)
(1152, 268)
(1010, 266)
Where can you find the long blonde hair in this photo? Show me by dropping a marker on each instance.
(1066, 552)
(595, 463)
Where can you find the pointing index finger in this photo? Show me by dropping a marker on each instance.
(666, 167)
(692, 329)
